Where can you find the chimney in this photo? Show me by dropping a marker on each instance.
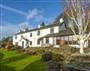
(41, 25)
(20, 30)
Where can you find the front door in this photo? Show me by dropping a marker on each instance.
(27, 44)
(23, 44)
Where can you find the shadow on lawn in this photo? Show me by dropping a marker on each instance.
(13, 59)
(1, 55)
(6, 68)
(3, 62)
(35, 66)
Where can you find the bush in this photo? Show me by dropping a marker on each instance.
(67, 54)
(87, 50)
(57, 57)
(30, 52)
(40, 51)
(47, 56)
(37, 49)
(64, 54)
(9, 45)
(54, 66)
(80, 57)
(20, 50)
(17, 47)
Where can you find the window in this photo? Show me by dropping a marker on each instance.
(52, 30)
(75, 42)
(61, 27)
(89, 43)
(70, 42)
(57, 41)
(42, 41)
(38, 42)
(38, 33)
(21, 36)
(15, 36)
(66, 42)
(31, 43)
(47, 40)
(27, 44)
(16, 43)
(30, 34)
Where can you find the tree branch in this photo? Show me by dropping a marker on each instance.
(88, 36)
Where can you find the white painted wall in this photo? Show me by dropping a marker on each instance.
(34, 37)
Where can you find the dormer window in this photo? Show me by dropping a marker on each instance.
(30, 34)
(38, 33)
(52, 30)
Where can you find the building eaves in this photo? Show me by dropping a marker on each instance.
(60, 34)
(44, 27)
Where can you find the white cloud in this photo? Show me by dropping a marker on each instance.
(34, 13)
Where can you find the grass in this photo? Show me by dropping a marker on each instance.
(13, 61)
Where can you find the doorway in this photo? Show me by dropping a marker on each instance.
(23, 44)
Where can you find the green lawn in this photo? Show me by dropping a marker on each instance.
(13, 61)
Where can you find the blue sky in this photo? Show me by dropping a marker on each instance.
(13, 13)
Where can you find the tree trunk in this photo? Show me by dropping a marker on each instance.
(81, 46)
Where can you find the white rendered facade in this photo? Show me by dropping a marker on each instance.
(33, 38)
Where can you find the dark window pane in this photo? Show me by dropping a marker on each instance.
(57, 41)
(15, 36)
(38, 42)
(30, 34)
(52, 30)
(47, 40)
(16, 43)
(31, 43)
(38, 33)
(66, 42)
(21, 36)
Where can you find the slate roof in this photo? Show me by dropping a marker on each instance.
(60, 34)
(44, 27)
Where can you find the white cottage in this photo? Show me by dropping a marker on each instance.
(32, 38)
(45, 36)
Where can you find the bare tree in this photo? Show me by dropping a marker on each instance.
(78, 14)
(24, 26)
